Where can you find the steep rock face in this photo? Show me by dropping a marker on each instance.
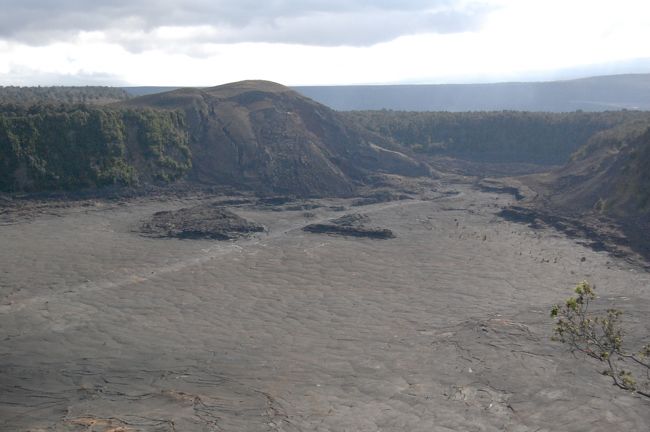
(602, 194)
(608, 175)
(267, 137)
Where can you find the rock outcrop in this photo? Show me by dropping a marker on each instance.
(351, 225)
(210, 221)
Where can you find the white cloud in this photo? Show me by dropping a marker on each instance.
(518, 39)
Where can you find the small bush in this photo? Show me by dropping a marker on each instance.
(600, 336)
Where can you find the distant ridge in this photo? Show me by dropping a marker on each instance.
(600, 93)
(148, 90)
(588, 94)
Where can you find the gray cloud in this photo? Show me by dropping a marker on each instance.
(310, 22)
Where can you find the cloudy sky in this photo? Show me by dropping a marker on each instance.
(318, 42)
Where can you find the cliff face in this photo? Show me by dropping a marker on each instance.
(609, 175)
(269, 138)
(602, 194)
(48, 147)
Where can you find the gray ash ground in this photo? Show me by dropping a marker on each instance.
(443, 328)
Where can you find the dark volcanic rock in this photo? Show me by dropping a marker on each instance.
(352, 231)
(275, 200)
(351, 225)
(488, 185)
(283, 203)
(379, 197)
(520, 215)
(597, 233)
(203, 221)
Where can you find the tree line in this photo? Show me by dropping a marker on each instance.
(503, 136)
(61, 94)
(48, 147)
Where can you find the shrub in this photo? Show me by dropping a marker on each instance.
(600, 336)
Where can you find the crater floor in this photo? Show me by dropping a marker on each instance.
(443, 328)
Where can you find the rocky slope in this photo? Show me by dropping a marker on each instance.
(603, 191)
(266, 137)
(608, 175)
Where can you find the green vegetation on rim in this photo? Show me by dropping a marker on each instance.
(496, 136)
(47, 147)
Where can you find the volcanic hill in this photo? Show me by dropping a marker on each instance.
(266, 137)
